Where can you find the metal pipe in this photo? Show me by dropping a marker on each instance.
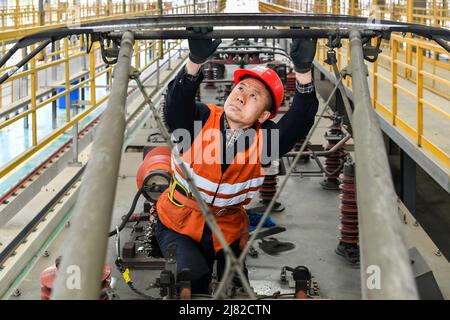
(261, 19)
(157, 72)
(321, 153)
(54, 111)
(383, 252)
(169, 65)
(85, 249)
(345, 99)
(244, 33)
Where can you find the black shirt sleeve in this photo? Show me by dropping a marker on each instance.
(295, 124)
(181, 108)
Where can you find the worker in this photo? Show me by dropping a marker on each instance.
(226, 184)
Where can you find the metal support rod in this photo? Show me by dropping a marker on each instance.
(381, 244)
(348, 107)
(262, 19)
(157, 72)
(244, 33)
(54, 111)
(337, 146)
(25, 68)
(85, 248)
(22, 62)
(169, 67)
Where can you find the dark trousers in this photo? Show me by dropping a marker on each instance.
(197, 256)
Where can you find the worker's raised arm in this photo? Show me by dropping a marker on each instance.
(181, 108)
(297, 122)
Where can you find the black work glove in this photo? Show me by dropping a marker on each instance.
(303, 51)
(201, 50)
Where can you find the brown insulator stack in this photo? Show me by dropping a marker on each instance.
(290, 83)
(227, 91)
(162, 112)
(348, 207)
(210, 75)
(304, 158)
(49, 274)
(334, 161)
(268, 190)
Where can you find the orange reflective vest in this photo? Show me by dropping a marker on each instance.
(231, 190)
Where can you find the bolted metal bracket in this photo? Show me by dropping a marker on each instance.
(134, 73)
(334, 40)
(109, 55)
(331, 57)
(371, 52)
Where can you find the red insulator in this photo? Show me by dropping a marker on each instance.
(154, 173)
(290, 83)
(210, 74)
(348, 207)
(333, 161)
(297, 147)
(267, 192)
(49, 274)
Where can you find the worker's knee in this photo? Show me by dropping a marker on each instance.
(200, 282)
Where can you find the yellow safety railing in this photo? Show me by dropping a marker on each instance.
(428, 12)
(417, 68)
(412, 69)
(94, 101)
(31, 16)
(66, 53)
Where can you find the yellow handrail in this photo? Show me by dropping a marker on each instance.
(395, 64)
(65, 55)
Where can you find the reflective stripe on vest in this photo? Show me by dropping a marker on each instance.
(237, 185)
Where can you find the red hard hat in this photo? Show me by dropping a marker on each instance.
(270, 78)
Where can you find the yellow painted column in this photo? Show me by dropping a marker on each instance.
(33, 77)
(336, 6)
(110, 74)
(394, 80)
(375, 82)
(92, 73)
(419, 85)
(409, 16)
(160, 42)
(3, 53)
(136, 54)
(67, 77)
(17, 14)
